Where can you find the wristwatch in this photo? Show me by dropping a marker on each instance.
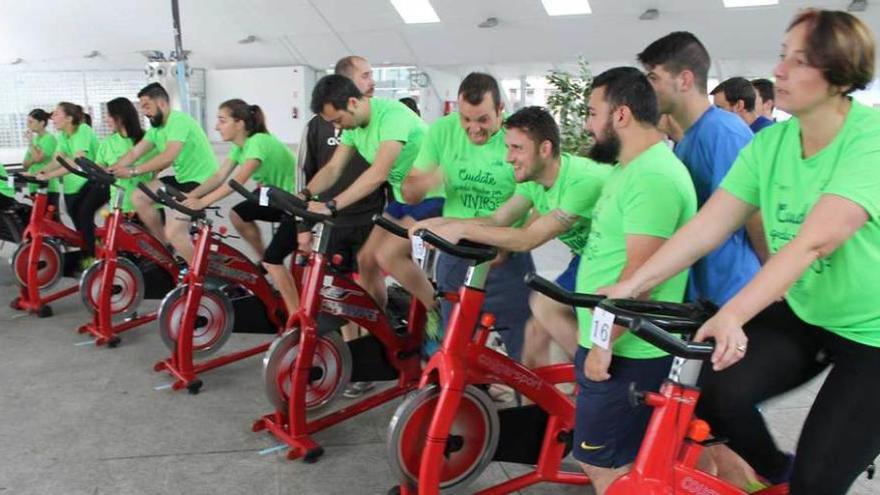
(331, 205)
(132, 172)
(306, 194)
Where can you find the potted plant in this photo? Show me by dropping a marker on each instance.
(568, 102)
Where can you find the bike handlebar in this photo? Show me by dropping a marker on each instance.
(553, 291)
(95, 172)
(390, 226)
(70, 168)
(27, 179)
(467, 250)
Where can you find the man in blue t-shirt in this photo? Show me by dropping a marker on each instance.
(737, 95)
(677, 66)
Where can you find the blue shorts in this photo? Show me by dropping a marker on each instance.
(608, 430)
(567, 278)
(429, 208)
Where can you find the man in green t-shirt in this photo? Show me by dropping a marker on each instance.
(183, 145)
(647, 197)
(388, 135)
(465, 156)
(562, 190)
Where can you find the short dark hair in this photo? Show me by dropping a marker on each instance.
(764, 87)
(154, 91)
(735, 89)
(345, 65)
(334, 90)
(411, 102)
(840, 45)
(475, 86)
(538, 124)
(676, 52)
(628, 86)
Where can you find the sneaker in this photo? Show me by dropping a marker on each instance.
(356, 389)
(86, 262)
(432, 324)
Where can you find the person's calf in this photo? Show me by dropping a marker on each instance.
(601, 477)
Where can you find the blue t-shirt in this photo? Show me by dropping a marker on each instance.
(760, 123)
(708, 149)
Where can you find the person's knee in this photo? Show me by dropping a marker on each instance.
(367, 262)
(236, 219)
(140, 200)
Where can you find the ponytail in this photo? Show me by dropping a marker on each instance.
(252, 115)
(40, 115)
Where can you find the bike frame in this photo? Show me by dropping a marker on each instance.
(215, 258)
(39, 228)
(464, 359)
(335, 294)
(121, 235)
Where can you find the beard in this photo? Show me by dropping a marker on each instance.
(157, 119)
(608, 149)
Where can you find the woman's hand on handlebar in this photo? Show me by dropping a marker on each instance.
(41, 176)
(730, 340)
(194, 203)
(120, 170)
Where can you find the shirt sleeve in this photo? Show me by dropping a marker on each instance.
(742, 179)
(397, 124)
(652, 205)
(857, 177)
(234, 155)
(177, 130)
(257, 148)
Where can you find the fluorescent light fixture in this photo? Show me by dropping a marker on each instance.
(567, 7)
(732, 4)
(415, 11)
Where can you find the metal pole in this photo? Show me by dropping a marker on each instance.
(181, 58)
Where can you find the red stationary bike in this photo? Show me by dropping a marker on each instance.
(442, 437)
(309, 366)
(131, 265)
(49, 250)
(223, 292)
(667, 460)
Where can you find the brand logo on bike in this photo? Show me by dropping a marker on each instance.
(349, 311)
(691, 485)
(509, 373)
(154, 253)
(338, 293)
(219, 265)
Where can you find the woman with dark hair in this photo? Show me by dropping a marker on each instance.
(258, 154)
(41, 150)
(75, 139)
(815, 304)
(125, 124)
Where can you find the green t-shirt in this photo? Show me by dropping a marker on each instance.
(390, 120)
(47, 143)
(838, 292)
(196, 161)
(83, 139)
(652, 195)
(5, 190)
(109, 152)
(277, 163)
(478, 178)
(575, 191)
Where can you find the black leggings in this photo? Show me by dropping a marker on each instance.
(82, 207)
(839, 438)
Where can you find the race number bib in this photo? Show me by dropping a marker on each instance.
(418, 247)
(264, 196)
(603, 322)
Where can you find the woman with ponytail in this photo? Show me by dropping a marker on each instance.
(41, 150)
(75, 139)
(258, 154)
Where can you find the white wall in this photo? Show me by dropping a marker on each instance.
(277, 90)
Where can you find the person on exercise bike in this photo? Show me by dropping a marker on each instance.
(259, 155)
(41, 151)
(183, 145)
(562, 189)
(464, 155)
(814, 303)
(647, 197)
(388, 135)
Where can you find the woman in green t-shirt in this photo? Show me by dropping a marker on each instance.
(259, 155)
(816, 302)
(75, 139)
(41, 149)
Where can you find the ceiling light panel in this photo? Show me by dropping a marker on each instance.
(567, 7)
(733, 4)
(415, 11)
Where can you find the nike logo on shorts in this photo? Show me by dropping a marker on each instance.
(586, 446)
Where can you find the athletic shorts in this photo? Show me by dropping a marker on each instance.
(429, 208)
(567, 278)
(250, 211)
(344, 240)
(608, 429)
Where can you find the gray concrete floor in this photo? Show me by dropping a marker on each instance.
(81, 420)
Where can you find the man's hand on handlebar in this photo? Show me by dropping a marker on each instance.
(730, 340)
(429, 223)
(451, 231)
(319, 208)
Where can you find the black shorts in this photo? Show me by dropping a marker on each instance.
(608, 430)
(250, 211)
(344, 240)
(186, 187)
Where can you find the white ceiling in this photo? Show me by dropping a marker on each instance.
(55, 34)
